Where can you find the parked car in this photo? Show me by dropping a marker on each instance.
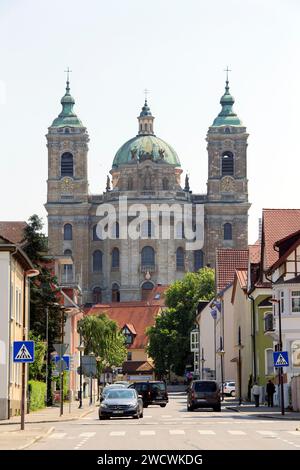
(122, 382)
(153, 392)
(204, 394)
(121, 402)
(228, 388)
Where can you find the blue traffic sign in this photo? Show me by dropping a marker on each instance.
(66, 359)
(23, 351)
(281, 359)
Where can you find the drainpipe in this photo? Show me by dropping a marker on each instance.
(253, 336)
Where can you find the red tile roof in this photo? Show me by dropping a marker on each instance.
(227, 262)
(129, 367)
(136, 313)
(254, 253)
(13, 231)
(242, 277)
(277, 224)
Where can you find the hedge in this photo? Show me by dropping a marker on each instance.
(37, 393)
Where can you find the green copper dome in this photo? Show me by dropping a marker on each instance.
(67, 117)
(227, 117)
(143, 147)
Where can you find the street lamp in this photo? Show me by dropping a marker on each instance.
(91, 354)
(202, 363)
(280, 375)
(240, 347)
(80, 348)
(221, 353)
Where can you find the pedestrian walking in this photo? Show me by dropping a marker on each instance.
(255, 392)
(270, 392)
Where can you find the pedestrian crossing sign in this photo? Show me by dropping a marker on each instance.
(23, 351)
(281, 359)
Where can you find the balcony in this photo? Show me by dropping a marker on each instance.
(151, 268)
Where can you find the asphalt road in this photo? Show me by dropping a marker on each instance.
(173, 428)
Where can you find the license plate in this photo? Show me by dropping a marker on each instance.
(201, 399)
(118, 412)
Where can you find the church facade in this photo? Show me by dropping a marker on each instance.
(123, 258)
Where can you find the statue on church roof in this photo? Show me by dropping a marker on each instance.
(187, 183)
(107, 183)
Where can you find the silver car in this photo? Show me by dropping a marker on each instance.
(121, 402)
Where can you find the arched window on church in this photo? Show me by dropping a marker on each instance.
(116, 230)
(130, 183)
(96, 232)
(146, 126)
(115, 292)
(115, 258)
(148, 229)
(198, 260)
(146, 290)
(180, 259)
(68, 232)
(227, 231)
(179, 235)
(97, 261)
(97, 295)
(66, 166)
(227, 164)
(148, 257)
(165, 183)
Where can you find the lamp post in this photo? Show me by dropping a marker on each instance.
(280, 375)
(221, 353)
(240, 347)
(91, 382)
(202, 363)
(80, 348)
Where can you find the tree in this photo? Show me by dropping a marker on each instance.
(37, 368)
(169, 338)
(102, 336)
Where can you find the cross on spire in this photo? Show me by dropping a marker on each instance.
(227, 70)
(68, 71)
(146, 91)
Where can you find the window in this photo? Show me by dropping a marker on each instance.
(130, 184)
(295, 348)
(68, 252)
(128, 335)
(67, 168)
(198, 259)
(96, 232)
(165, 183)
(146, 290)
(115, 258)
(115, 293)
(227, 231)
(148, 256)
(180, 231)
(68, 232)
(129, 356)
(227, 164)
(147, 229)
(116, 230)
(146, 126)
(180, 259)
(68, 273)
(97, 295)
(295, 301)
(97, 261)
(269, 367)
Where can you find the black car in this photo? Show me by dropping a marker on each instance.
(203, 394)
(153, 392)
(121, 402)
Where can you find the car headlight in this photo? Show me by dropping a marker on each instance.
(103, 405)
(133, 405)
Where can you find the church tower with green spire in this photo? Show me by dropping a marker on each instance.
(227, 186)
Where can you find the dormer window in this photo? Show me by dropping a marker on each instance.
(129, 335)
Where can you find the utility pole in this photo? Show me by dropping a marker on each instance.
(61, 368)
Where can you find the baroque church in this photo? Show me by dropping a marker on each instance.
(146, 170)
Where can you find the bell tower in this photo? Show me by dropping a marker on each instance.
(227, 185)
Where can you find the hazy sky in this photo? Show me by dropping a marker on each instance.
(178, 49)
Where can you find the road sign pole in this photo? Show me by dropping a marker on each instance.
(62, 370)
(23, 397)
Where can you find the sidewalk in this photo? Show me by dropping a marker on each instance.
(38, 424)
(262, 411)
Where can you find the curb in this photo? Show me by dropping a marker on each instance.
(35, 439)
(231, 408)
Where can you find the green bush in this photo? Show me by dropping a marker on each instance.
(37, 393)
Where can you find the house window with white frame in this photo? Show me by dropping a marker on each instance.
(282, 309)
(269, 363)
(295, 301)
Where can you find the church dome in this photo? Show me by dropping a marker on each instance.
(67, 117)
(146, 147)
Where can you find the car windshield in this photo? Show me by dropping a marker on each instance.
(205, 386)
(112, 394)
(159, 386)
